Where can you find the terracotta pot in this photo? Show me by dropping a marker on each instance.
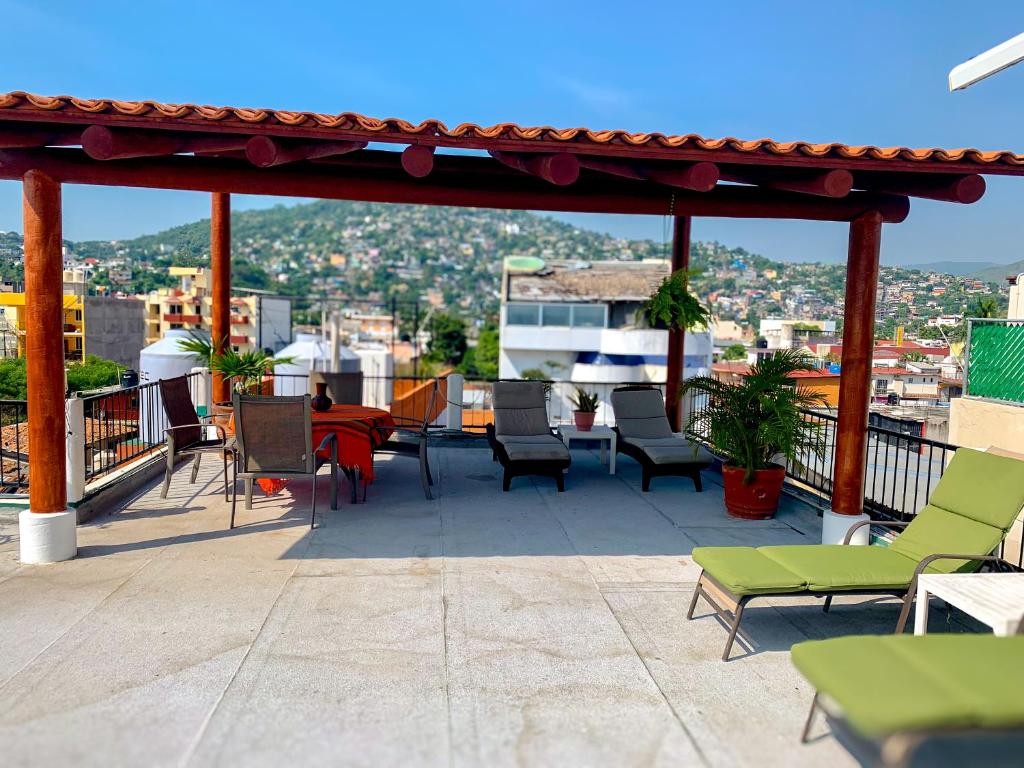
(757, 501)
(321, 400)
(584, 420)
(223, 415)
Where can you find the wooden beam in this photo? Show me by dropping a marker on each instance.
(102, 143)
(468, 181)
(44, 343)
(855, 378)
(266, 152)
(557, 167)
(697, 177)
(676, 365)
(220, 288)
(418, 160)
(966, 189)
(824, 183)
(23, 137)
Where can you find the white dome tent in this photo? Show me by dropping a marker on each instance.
(163, 359)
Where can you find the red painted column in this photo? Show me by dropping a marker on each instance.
(677, 336)
(220, 284)
(44, 343)
(855, 379)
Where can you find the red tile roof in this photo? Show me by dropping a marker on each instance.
(177, 115)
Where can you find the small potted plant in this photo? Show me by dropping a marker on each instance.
(584, 409)
(753, 424)
(673, 306)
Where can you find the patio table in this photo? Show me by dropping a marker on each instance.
(996, 599)
(357, 429)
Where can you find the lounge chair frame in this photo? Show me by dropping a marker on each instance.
(553, 468)
(731, 609)
(650, 469)
(899, 750)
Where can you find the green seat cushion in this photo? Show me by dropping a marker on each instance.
(745, 571)
(984, 487)
(936, 531)
(900, 683)
(828, 567)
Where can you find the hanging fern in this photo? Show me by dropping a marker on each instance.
(673, 306)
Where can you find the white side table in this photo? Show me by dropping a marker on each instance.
(606, 435)
(995, 599)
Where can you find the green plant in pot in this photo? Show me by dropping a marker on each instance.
(673, 306)
(754, 423)
(245, 370)
(584, 409)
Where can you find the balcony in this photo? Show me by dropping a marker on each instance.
(239, 319)
(608, 341)
(170, 317)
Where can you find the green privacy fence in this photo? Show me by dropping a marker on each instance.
(995, 359)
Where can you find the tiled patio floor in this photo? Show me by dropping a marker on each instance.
(528, 628)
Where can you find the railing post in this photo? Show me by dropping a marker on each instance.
(204, 390)
(454, 396)
(75, 451)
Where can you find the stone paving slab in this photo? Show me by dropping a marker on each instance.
(481, 628)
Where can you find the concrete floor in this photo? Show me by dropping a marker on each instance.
(527, 628)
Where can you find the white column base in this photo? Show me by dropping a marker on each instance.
(48, 538)
(835, 526)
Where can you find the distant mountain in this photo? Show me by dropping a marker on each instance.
(999, 273)
(989, 271)
(959, 268)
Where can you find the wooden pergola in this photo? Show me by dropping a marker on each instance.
(46, 142)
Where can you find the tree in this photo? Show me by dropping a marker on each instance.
(735, 352)
(985, 307)
(447, 339)
(93, 373)
(482, 360)
(12, 379)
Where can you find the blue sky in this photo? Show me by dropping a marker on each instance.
(866, 73)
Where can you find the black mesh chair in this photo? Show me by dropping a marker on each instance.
(187, 433)
(275, 440)
(409, 438)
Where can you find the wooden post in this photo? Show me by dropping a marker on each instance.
(44, 343)
(855, 378)
(677, 336)
(220, 284)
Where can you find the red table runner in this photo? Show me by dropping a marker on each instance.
(357, 437)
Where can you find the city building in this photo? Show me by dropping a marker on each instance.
(795, 333)
(13, 318)
(579, 321)
(258, 321)
(116, 329)
(823, 382)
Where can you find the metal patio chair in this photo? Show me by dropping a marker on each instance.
(342, 388)
(409, 438)
(275, 440)
(187, 433)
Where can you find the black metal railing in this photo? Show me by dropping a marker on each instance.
(13, 447)
(122, 425)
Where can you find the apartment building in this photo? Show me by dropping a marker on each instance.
(579, 321)
(12, 319)
(258, 321)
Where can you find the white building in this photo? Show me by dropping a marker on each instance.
(578, 322)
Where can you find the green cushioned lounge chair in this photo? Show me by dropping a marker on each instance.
(936, 700)
(969, 513)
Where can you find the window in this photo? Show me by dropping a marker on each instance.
(522, 314)
(556, 314)
(588, 315)
(881, 386)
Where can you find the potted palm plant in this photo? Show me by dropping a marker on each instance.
(673, 306)
(753, 425)
(584, 409)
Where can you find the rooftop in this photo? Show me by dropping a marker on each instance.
(481, 628)
(588, 281)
